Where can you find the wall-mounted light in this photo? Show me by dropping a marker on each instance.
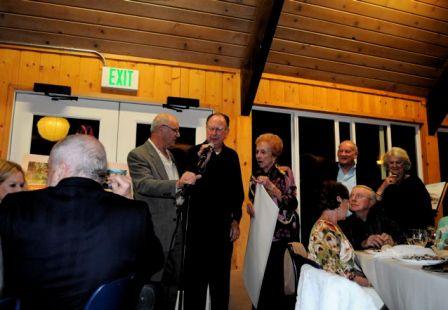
(53, 128)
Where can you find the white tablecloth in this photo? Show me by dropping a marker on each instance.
(404, 286)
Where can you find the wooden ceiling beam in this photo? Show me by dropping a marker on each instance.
(268, 14)
(436, 106)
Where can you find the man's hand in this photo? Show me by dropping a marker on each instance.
(187, 178)
(373, 241)
(121, 185)
(387, 239)
(234, 230)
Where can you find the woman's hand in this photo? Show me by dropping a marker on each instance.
(250, 209)
(269, 186)
(361, 281)
(392, 179)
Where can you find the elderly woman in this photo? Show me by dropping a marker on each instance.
(12, 178)
(279, 183)
(328, 245)
(403, 196)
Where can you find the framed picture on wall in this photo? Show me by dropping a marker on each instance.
(36, 170)
(437, 192)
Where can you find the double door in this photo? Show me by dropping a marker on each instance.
(120, 126)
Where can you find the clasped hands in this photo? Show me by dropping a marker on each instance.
(377, 241)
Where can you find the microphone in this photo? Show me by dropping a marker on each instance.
(203, 157)
(208, 147)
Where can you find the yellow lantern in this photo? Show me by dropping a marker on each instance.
(53, 128)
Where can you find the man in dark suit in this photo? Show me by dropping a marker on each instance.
(215, 213)
(156, 181)
(60, 243)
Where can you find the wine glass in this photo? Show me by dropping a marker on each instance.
(417, 237)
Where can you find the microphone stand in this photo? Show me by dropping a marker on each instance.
(184, 222)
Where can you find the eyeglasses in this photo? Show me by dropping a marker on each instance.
(358, 196)
(176, 130)
(217, 129)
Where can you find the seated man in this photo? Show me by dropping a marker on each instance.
(62, 242)
(367, 227)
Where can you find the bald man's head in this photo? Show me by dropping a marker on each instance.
(76, 156)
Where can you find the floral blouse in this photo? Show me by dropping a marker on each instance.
(330, 248)
(287, 227)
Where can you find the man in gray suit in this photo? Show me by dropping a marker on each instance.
(156, 181)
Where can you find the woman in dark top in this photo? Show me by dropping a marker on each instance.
(403, 196)
(279, 183)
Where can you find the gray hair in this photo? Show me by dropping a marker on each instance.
(400, 153)
(83, 154)
(161, 119)
(371, 191)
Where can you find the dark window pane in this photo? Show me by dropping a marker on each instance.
(368, 142)
(41, 146)
(404, 137)
(317, 137)
(443, 155)
(317, 150)
(276, 123)
(344, 131)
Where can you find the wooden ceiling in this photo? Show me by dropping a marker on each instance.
(393, 45)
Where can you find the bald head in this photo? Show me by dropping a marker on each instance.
(164, 131)
(162, 119)
(347, 153)
(76, 156)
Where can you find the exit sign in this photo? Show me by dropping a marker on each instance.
(119, 78)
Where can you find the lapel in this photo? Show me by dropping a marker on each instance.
(155, 160)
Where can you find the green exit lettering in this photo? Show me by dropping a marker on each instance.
(120, 77)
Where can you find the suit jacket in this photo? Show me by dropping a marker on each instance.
(152, 186)
(60, 243)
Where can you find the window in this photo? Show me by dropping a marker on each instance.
(276, 123)
(314, 139)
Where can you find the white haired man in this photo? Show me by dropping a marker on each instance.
(367, 227)
(156, 181)
(60, 243)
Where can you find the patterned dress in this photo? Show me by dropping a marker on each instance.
(286, 230)
(331, 249)
(287, 227)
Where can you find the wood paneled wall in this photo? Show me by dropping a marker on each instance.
(217, 88)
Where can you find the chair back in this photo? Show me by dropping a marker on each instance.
(120, 294)
(295, 256)
(9, 303)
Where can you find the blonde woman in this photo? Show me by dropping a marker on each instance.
(403, 196)
(12, 178)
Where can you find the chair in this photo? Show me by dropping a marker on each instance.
(9, 303)
(295, 257)
(121, 294)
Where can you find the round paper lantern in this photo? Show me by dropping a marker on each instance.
(53, 128)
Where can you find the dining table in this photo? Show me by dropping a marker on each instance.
(403, 285)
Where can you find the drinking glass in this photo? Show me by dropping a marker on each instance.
(417, 237)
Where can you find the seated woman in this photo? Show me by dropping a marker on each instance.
(328, 245)
(12, 178)
(403, 196)
(279, 183)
